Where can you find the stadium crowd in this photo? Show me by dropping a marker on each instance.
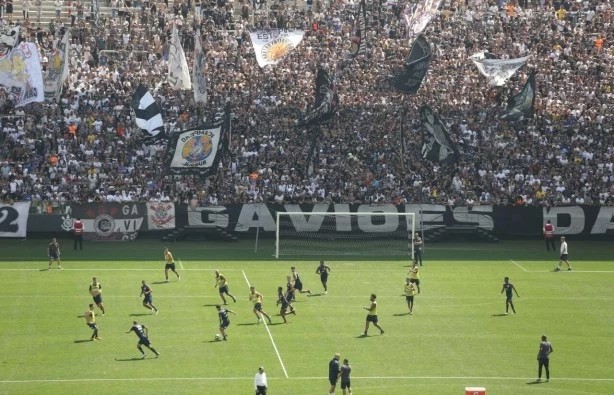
(86, 147)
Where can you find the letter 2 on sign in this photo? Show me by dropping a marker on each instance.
(8, 220)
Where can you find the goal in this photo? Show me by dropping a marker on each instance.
(373, 233)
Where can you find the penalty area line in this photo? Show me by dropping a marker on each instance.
(281, 362)
(519, 265)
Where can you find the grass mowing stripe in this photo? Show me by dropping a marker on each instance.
(283, 367)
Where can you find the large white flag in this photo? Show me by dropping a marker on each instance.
(20, 71)
(498, 71)
(419, 15)
(57, 68)
(178, 71)
(198, 72)
(272, 45)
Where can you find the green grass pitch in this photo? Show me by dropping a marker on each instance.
(457, 336)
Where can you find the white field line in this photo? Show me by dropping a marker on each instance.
(180, 264)
(473, 378)
(519, 265)
(281, 362)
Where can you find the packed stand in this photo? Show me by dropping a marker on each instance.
(88, 148)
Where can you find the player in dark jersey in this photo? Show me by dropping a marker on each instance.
(224, 320)
(285, 304)
(148, 297)
(323, 271)
(508, 288)
(141, 332)
(344, 375)
(53, 252)
(298, 283)
(290, 289)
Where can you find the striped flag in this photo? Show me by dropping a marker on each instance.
(147, 113)
(198, 72)
(359, 43)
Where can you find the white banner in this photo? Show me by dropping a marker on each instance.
(20, 72)
(272, 45)
(418, 16)
(57, 68)
(498, 71)
(178, 71)
(198, 71)
(160, 215)
(14, 219)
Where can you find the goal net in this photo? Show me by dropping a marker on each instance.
(344, 233)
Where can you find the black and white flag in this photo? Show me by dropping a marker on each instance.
(522, 105)
(9, 36)
(326, 101)
(409, 80)
(498, 71)
(359, 43)
(437, 145)
(147, 113)
(198, 71)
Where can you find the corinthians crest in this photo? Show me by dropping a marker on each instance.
(161, 215)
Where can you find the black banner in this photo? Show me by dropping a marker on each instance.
(108, 221)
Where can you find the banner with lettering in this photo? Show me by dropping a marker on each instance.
(272, 45)
(14, 219)
(108, 221)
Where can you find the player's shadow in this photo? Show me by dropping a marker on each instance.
(129, 359)
(313, 294)
(534, 382)
(82, 341)
(139, 314)
(43, 270)
(400, 314)
(159, 282)
(210, 305)
(499, 315)
(80, 316)
(362, 336)
(275, 323)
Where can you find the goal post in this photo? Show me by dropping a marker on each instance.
(374, 233)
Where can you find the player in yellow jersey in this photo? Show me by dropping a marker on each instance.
(222, 284)
(90, 320)
(410, 291)
(256, 298)
(96, 292)
(169, 264)
(372, 316)
(414, 275)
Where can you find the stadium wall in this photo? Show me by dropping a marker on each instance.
(127, 221)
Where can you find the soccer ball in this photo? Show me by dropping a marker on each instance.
(217, 336)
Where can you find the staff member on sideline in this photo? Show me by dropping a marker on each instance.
(564, 256)
(549, 236)
(334, 371)
(418, 248)
(77, 230)
(260, 383)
